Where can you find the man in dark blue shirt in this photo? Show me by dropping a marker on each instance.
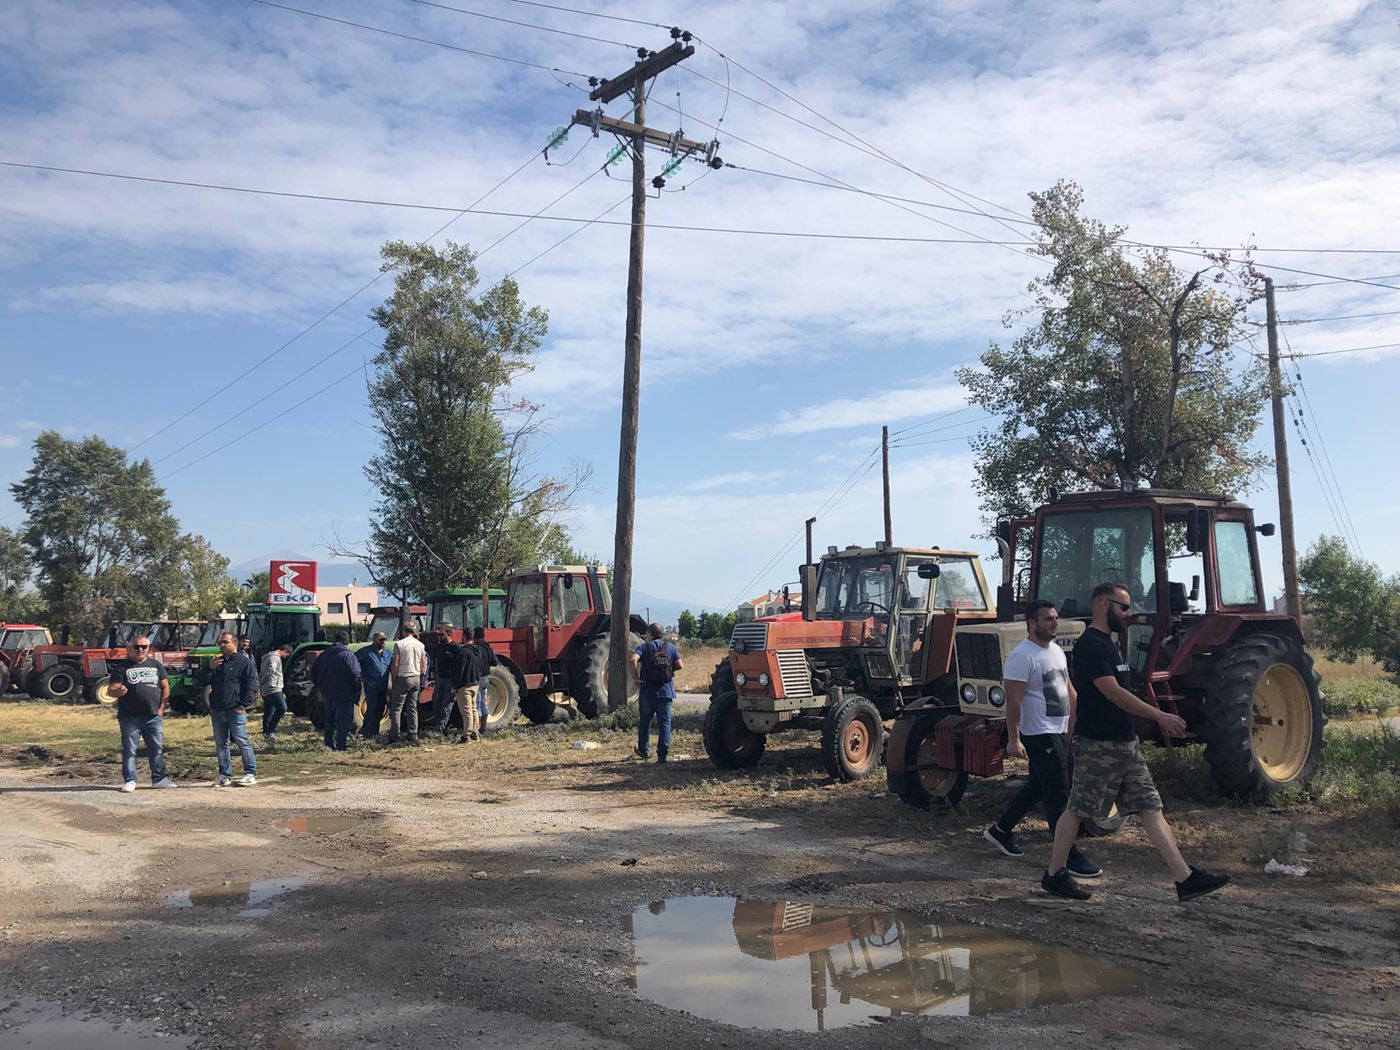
(1108, 763)
(233, 686)
(336, 675)
(654, 665)
(374, 675)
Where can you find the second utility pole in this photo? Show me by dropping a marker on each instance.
(634, 80)
(1285, 483)
(885, 468)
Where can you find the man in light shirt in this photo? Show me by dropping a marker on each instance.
(406, 670)
(1040, 708)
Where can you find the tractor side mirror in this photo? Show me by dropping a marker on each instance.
(1004, 531)
(1195, 589)
(1197, 528)
(808, 576)
(568, 581)
(1267, 529)
(787, 597)
(929, 570)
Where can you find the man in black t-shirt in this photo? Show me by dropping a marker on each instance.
(141, 690)
(1108, 763)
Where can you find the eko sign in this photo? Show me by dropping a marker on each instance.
(291, 583)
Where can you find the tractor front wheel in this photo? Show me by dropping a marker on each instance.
(100, 692)
(589, 677)
(60, 682)
(853, 738)
(502, 700)
(541, 710)
(925, 784)
(1263, 717)
(729, 743)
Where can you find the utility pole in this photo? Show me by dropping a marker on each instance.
(634, 82)
(885, 468)
(1285, 484)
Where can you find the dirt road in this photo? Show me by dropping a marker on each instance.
(486, 900)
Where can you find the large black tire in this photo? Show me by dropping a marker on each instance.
(62, 681)
(4, 679)
(928, 788)
(539, 708)
(315, 708)
(589, 676)
(853, 739)
(100, 692)
(721, 679)
(31, 686)
(1262, 719)
(199, 699)
(502, 700)
(729, 743)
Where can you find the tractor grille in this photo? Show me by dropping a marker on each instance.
(796, 916)
(979, 656)
(793, 670)
(749, 637)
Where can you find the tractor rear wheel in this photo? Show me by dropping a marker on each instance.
(1263, 717)
(539, 708)
(588, 677)
(315, 708)
(853, 738)
(502, 700)
(199, 699)
(926, 785)
(729, 743)
(60, 682)
(100, 692)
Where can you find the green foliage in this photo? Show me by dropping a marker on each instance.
(359, 632)
(18, 602)
(99, 531)
(1361, 696)
(205, 587)
(458, 503)
(1352, 608)
(1359, 766)
(253, 589)
(686, 624)
(713, 627)
(1129, 372)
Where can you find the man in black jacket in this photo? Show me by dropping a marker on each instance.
(336, 673)
(447, 665)
(233, 686)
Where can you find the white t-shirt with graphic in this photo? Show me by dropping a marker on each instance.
(1045, 703)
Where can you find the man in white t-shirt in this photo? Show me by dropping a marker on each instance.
(1040, 703)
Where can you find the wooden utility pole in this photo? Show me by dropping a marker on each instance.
(1285, 484)
(633, 82)
(885, 468)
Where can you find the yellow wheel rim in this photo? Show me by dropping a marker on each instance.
(104, 694)
(937, 782)
(1283, 721)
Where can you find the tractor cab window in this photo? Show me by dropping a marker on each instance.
(11, 640)
(913, 620)
(497, 605)
(957, 587)
(1232, 555)
(1081, 549)
(209, 636)
(269, 631)
(851, 587)
(387, 623)
(453, 612)
(568, 599)
(602, 593)
(525, 604)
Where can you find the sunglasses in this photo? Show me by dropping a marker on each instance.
(140, 646)
(1125, 606)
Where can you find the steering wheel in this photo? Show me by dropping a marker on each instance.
(873, 607)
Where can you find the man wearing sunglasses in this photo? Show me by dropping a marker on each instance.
(1108, 762)
(141, 690)
(233, 686)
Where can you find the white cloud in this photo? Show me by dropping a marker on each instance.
(736, 478)
(10, 441)
(892, 406)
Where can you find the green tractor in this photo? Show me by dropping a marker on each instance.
(268, 626)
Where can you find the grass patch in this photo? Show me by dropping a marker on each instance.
(1360, 696)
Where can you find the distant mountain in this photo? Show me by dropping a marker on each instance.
(328, 573)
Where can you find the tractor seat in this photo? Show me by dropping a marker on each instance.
(1176, 597)
(1069, 607)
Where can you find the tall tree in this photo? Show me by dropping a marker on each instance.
(206, 587)
(99, 530)
(459, 500)
(686, 624)
(1352, 608)
(17, 601)
(1130, 370)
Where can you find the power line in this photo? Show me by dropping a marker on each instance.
(525, 25)
(936, 417)
(422, 39)
(938, 430)
(591, 14)
(1341, 317)
(316, 323)
(1347, 350)
(1295, 414)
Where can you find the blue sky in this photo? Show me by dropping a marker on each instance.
(769, 363)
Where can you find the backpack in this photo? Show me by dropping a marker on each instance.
(656, 663)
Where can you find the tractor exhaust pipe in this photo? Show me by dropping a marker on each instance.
(808, 576)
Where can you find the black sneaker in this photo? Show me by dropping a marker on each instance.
(640, 753)
(1062, 884)
(660, 758)
(1081, 867)
(1199, 883)
(1004, 841)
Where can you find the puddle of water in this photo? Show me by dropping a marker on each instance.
(46, 1028)
(789, 965)
(253, 899)
(329, 825)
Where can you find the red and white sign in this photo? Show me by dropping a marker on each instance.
(291, 583)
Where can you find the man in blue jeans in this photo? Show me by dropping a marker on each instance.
(233, 686)
(654, 666)
(142, 692)
(374, 676)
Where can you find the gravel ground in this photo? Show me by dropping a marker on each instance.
(481, 901)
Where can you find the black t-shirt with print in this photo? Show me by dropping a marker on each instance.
(1096, 655)
(142, 680)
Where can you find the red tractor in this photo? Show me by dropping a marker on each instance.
(17, 644)
(1209, 650)
(554, 645)
(71, 672)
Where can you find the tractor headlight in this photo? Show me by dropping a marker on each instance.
(763, 678)
(740, 678)
(968, 693)
(997, 695)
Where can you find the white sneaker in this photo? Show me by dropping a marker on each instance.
(130, 785)
(165, 782)
(247, 780)
(223, 782)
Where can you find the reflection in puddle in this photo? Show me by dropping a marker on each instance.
(781, 964)
(304, 825)
(252, 898)
(36, 1027)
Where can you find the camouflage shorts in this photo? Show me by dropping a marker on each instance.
(1109, 771)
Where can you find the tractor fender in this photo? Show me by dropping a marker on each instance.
(635, 624)
(515, 671)
(896, 741)
(1213, 632)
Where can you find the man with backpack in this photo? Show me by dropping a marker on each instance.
(654, 665)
